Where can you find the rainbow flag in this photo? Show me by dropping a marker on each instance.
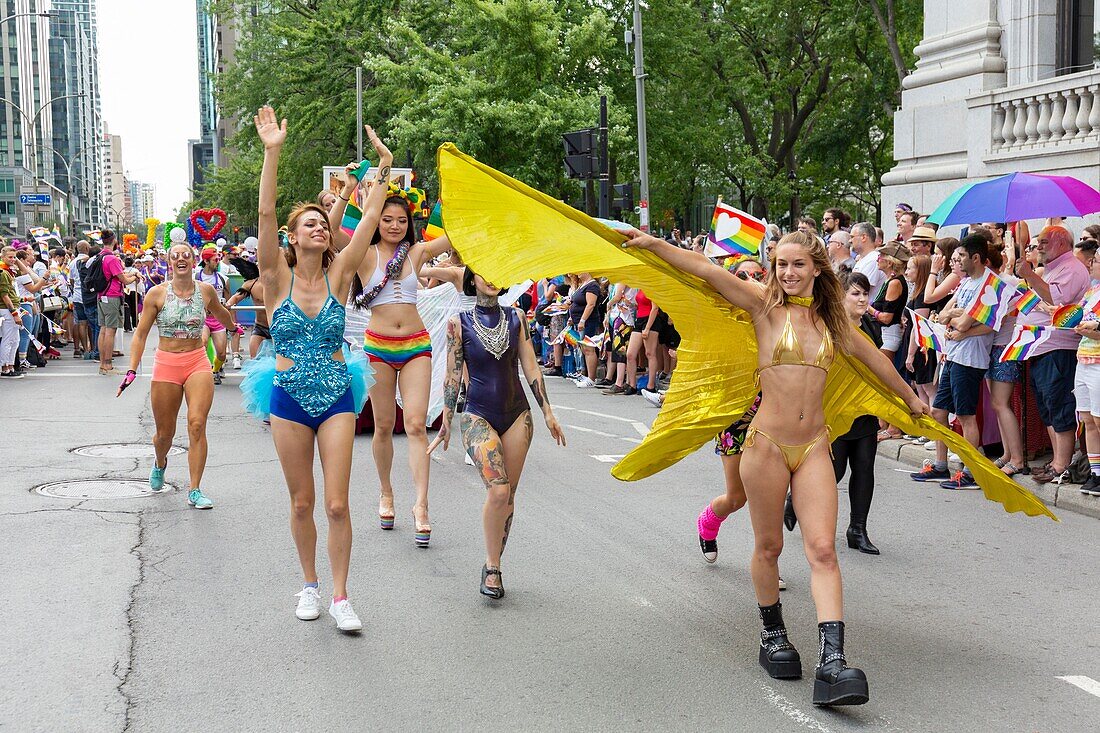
(1026, 300)
(930, 336)
(434, 228)
(1067, 316)
(987, 306)
(569, 336)
(733, 232)
(1025, 339)
(596, 342)
(352, 214)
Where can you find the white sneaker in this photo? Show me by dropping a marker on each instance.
(653, 398)
(236, 362)
(309, 604)
(585, 383)
(930, 445)
(346, 620)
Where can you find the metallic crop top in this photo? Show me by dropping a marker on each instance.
(181, 319)
(316, 380)
(788, 351)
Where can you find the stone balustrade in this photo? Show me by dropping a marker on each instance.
(1046, 116)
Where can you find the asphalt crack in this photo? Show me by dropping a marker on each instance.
(124, 669)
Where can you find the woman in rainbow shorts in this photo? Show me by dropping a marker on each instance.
(399, 348)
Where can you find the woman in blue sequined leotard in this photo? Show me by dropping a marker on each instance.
(491, 342)
(311, 403)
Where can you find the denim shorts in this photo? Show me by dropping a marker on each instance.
(1002, 371)
(960, 389)
(1052, 377)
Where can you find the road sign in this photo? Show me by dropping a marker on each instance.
(35, 199)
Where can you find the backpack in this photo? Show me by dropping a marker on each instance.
(92, 279)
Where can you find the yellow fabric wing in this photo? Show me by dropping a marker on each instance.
(509, 232)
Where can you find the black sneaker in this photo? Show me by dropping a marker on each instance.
(12, 375)
(1091, 487)
(930, 473)
(961, 480)
(555, 372)
(628, 390)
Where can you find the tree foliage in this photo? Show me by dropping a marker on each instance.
(773, 104)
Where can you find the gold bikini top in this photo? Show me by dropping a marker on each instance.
(788, 351)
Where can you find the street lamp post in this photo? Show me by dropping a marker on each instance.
(635, 36)
(69, 163)
(33, 124)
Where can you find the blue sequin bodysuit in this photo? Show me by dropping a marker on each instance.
(316, 381)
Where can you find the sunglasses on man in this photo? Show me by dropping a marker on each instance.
(755, 276)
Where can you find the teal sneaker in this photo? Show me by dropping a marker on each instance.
(199, 500)
(156, 476)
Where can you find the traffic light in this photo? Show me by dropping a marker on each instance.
(624, 197)
(580, 153)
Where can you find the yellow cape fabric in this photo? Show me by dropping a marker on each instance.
(509, 232)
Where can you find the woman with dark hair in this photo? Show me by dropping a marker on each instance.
(583, 317)
(253, 288)
(493, 343)
(310, 390)
(800, 321)
(399, 348)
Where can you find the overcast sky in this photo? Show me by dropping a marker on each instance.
(148, 75)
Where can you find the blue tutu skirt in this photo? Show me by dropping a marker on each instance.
(259, 380)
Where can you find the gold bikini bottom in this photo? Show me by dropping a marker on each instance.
(793, 455)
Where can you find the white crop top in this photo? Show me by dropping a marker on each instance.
(396, 291)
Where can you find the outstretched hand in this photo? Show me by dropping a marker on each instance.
(126, 382)
(555, 430)
(385, 157)
(443, 437)
(640, 239)
(917, 408)
(268, 127)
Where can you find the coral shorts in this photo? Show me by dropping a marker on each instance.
(178, 368)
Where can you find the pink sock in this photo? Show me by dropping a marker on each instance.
(709, 524)
(338, 599)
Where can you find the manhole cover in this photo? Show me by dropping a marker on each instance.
(95, 489)
(122, 450)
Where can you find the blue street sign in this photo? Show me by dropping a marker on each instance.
(35, 199)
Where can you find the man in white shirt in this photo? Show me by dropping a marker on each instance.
(863, 249)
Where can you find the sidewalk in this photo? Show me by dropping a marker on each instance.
(1066, 497)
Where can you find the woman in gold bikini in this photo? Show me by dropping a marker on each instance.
(798, 311)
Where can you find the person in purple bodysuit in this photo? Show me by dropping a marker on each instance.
(493, 343)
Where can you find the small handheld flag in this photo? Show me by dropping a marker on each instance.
(1067, 316)
(352, 214)
(930, 335)
(734, 232)
(596, 342)
(434, 227)
(1025, 340)
(987, 306)
(1026, 300)
(569, 336)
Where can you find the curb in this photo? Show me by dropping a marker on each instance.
(1066, 497)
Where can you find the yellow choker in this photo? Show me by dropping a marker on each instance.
(798, 300)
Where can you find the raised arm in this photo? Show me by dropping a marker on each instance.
(273, 134)
(452, 275)
(863, 349)
(534, 378)
(352, 256)
(737, 291)
(336, 214)
(214, 306)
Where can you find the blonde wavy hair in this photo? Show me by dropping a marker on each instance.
(828, 293)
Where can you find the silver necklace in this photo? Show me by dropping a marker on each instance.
(495, 339)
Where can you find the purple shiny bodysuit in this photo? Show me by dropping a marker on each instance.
(495, 391)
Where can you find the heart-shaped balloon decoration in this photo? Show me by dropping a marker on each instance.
(726, 226)
(208, 222)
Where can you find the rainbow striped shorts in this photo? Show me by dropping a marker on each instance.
(396, 351)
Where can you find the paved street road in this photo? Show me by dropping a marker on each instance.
(139, 614)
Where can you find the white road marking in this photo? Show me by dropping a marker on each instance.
(1087, 684)
(608, 459)
(640, 428)
(788, 708)
(601, 433)
(642, 601)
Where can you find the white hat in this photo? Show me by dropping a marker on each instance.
(250, 243)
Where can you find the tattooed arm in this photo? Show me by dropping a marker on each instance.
(453, 380)
(534, 378)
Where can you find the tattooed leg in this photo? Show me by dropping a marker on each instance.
(516, 441)
(484, 446)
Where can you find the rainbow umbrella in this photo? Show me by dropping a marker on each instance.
(1015, 197)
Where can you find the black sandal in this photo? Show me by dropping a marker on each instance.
(486, 590)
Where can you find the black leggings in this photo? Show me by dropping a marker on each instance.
(860, 455)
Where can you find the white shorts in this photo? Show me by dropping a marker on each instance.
(891, 337)
(1086, 388)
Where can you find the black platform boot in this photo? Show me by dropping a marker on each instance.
(778, 656)
(835, 683)
(858, 539)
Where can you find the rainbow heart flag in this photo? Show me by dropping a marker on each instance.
(986, 308)
(733, 232)
(1025, 339)
(930, 335)
(1067, 316)
(1026, 300)
(434, 228)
